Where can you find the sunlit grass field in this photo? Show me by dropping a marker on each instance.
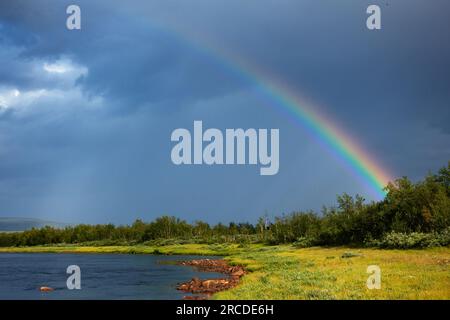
(285, 272)
(340, 273)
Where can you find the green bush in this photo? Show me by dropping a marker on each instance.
(304, 242)
(397, 240)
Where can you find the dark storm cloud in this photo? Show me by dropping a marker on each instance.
(129, 61)
(310, 45)
(94, 146)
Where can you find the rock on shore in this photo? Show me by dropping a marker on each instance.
(210, 286)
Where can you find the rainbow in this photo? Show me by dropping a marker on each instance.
(356, 160)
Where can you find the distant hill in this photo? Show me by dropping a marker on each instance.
(21, 224)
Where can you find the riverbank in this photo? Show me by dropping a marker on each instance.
(204, 289)
(184, 249)
(286, 272)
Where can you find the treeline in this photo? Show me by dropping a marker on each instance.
(411, 215)
(139, 232)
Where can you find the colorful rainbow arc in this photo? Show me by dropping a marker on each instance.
(335, 141)
(357, 161)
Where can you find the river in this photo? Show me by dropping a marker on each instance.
(103, 276)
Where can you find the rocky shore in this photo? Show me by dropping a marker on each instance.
(203, 289)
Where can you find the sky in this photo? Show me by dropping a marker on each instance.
(86, 115)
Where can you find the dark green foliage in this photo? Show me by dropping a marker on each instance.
(412, 215)
(304, 242)
(289, 228)
(395, 240)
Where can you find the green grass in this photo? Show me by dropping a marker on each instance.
(285, 272)
(185, 249)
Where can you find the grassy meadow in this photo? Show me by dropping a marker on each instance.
(340, 273)
(286, 272)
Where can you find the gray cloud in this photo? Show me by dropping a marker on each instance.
(92, 144)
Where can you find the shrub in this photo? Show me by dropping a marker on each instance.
(304, 242)
(397, 240)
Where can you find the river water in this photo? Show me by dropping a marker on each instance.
(103, 276)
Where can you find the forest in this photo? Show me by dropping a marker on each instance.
(412, 215)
